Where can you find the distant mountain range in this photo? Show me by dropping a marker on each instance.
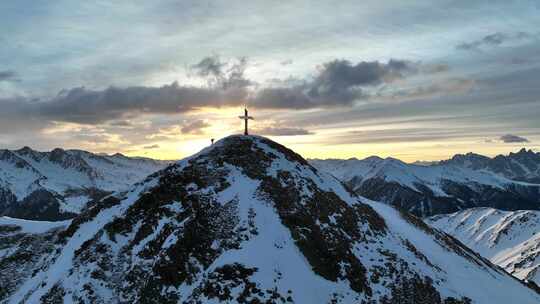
(510, 239)
(245, 220)
(465, 181)
(521, 166)
(58, 184)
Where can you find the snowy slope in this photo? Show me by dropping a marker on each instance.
(58, 184)
(508, 239)
(428, 190)
(249, 221)
(27, 226)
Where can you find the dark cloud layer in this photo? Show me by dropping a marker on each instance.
(509, 138)
(227, 87)
(81, 105)
(338, 83)
(8, 75)
(492, 40)
(121, 123)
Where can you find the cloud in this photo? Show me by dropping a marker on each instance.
(209, 66)
(401, 135)
(80, 105)
(227, 87)
(221, 74)
(93, 138)
(286, 62)
(337, 83)
(493, 40)
(8, 75)
(338, 76)
(194, 127)
(285, 98)
(282, 131)
(454, 86)
(121, 123)
(155, 146)
(435, 68)
(509, 138)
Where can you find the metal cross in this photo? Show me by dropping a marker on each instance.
(246, 117)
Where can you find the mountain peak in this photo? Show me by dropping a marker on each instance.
(25, 150)
(251, 148)
(524, 151)
(373, 158)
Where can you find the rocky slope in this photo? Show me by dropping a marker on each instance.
(58, 184)
(249, 221)
(509, 239)
(24, 243)
(429, 190)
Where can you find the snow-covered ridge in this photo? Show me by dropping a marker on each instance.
(428, 190)
(28, 226)
(248, 220)
(523, 165)
(67, 179)
(508, 239)
(394, 170)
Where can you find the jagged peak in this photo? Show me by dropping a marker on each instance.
(469, 155)
(523, 152)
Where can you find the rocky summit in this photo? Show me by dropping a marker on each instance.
(247, 220)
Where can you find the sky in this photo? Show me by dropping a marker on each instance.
(414, 80)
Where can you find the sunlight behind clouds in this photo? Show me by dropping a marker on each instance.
(328, 79)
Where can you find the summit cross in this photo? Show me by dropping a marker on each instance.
(246, 117)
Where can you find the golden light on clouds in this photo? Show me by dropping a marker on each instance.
(166, 136)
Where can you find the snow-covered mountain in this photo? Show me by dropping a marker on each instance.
(58, 184)
(523, 165)
(429, 190)
(250, 221)
(508, 239)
